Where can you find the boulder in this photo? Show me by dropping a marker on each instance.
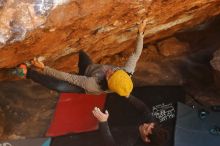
(173, 47)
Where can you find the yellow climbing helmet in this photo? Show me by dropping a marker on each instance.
(121, 83)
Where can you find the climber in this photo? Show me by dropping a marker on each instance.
(93, 78)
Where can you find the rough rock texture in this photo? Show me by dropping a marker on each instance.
(172, 47)
(215, 62)
(57, 29)
(26, 109)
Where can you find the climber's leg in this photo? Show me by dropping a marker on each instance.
(84, 61)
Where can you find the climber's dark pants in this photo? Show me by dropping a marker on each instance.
(59, 85)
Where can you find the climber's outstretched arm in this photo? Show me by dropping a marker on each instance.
(132, 61)
(53, 83)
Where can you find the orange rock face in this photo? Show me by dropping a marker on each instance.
(59, 29)
(172, 47)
